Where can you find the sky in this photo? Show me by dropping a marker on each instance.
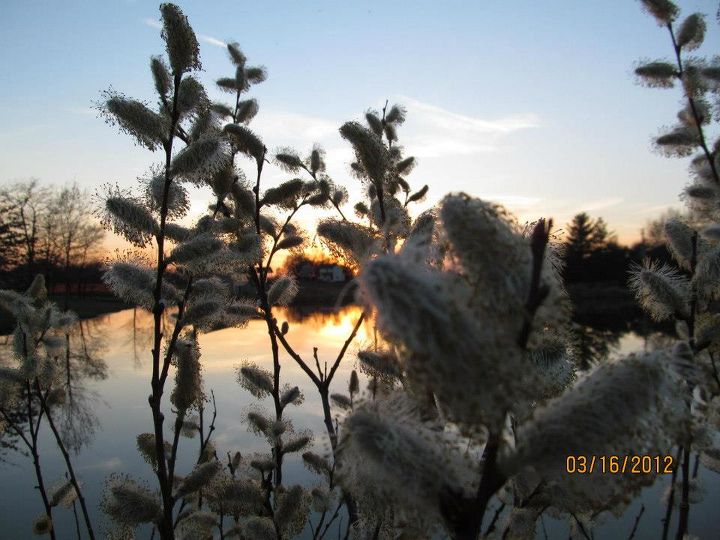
(530, 104)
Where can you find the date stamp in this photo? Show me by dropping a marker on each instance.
(619, 464)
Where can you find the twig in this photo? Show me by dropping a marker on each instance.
(685, 496)
(344, 348)
(498, 511)
(36, 457)
(671, 498)
(716, 376)
(68, 462)
(582, 528)
(637, 521)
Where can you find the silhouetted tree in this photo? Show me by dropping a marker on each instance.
(591, 251)
(46, 229)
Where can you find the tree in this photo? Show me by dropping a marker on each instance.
(75, 232)
(601, 237)
(47, 228)
(588, 239)
(579, 240)
(26, 205)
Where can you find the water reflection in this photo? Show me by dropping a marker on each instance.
(81, 361)
(107, 381)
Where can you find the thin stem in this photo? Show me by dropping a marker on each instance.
(344, 349)
(66, 457)
(685, 496)
(491, 527)
(716, 376)
(36, 457)
(637, 522)
(165, 527)
(204, 440)
(179, 419)
(671, 498)
(176, 332)
(582, 527)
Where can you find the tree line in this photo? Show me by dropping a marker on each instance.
(592, 253)
(49, 230)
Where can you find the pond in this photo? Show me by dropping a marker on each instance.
(107, 408)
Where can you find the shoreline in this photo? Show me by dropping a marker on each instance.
(604, 304)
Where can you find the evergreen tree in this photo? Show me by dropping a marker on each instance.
(580, 237)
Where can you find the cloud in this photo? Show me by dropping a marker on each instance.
(512, 200)
(83, 110)
(212, 41)
(599, 204)
(294, 129)
(152, 23)
(434, 132)
(447, 120)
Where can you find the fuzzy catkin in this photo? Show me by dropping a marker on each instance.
(182, 45)
(131, 282)
(282, 291)
(200, 159)
(188, 380)
(380, 364)
(664, 11)
(369, 150)
(129, 503)
(198, 478)
(661, 291)
(680, 242)
(448, 348)
(386, 451)
(633, 406)
(136, 119)
(495, 257)
(691, 32)
(256, 380)
(657, 74)
(707, 275)
(292, 510)
(130, 219)
(64, 495)
(354, 242)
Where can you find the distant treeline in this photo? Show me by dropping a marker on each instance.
(51, 231)
(592, 253)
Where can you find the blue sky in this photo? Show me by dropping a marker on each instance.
(530, 103)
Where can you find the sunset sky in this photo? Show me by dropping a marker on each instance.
(531, 104)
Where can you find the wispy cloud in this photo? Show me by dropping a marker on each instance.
(212, 41)
(292, 128)
(433, 132)
(599, 204)
(512, 200)
(152, 23)
(444, 119)
(83, 110)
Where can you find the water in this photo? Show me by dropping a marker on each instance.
(109, 409)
